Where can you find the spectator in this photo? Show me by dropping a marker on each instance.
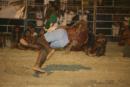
(16, 35)
(126, 38)
(115, 31)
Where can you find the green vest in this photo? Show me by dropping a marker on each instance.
(52, 19)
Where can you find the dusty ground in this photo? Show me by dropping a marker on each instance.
(111, 70)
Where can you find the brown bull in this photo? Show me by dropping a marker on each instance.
(78, 36)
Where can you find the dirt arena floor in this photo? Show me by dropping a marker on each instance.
(74, 69)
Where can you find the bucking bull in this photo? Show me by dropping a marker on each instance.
(77, 39)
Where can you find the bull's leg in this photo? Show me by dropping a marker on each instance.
(73, 43)
(68, 48)
(42, 55)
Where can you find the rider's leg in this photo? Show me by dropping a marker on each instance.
(57, 38)
(73, 43)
